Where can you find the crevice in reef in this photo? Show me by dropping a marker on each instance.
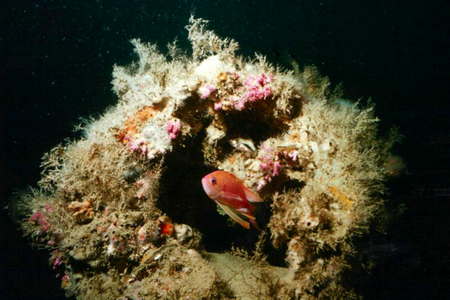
(182, 198)
(276, 256)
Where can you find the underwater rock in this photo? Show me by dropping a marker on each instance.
(125, 211)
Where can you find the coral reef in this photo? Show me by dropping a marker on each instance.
(122, 209)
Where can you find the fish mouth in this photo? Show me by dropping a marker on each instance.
(205, 185)
(207, 188)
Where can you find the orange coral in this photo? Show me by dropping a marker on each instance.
(165, 226)
(134, 123)
(82, 210)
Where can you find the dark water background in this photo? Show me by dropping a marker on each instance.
(57, 58)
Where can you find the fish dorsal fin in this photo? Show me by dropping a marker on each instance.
(235, 216)
(252, 196)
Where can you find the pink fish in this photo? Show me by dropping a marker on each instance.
(232, 196)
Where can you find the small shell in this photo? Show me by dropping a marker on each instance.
(241, 144)
(183, 232)
(214, 134)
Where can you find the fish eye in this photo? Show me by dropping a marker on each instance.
(213, 180)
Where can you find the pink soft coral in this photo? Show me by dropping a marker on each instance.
(173, 128)
(256, 88)
(205, 91)
(40, 219)
(270, 162)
